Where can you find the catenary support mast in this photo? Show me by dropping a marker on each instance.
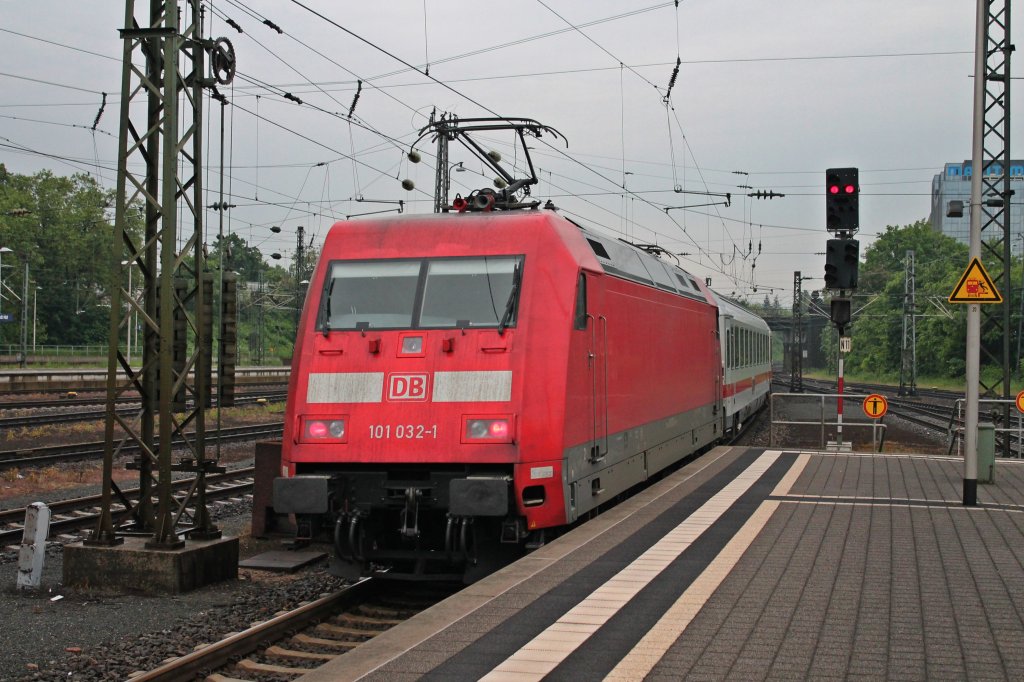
(796, 346)
(163, 67)
(908, 356)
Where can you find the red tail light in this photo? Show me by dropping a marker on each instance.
(323, 429)
(487, 430)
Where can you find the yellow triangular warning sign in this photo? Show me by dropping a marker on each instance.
(975, 286)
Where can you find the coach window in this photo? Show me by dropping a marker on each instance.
(580, 317)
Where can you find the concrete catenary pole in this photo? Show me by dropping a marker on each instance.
(970, 485)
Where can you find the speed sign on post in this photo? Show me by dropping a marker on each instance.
(1020, 402)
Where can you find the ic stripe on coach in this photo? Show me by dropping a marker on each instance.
(548, 650)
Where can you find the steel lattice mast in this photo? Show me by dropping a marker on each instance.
(164, 62)
(908, 356)
(994, 205)
(796, 363)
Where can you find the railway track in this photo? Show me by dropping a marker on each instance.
(297, 641)
(60, 454)
(131, 406)
(69, 516)
(100, 398)
(30, 381)
(829, 386)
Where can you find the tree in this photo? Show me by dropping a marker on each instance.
(877, 330)
(60, 226)
(246, 260)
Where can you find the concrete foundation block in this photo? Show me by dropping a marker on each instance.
(132, 568)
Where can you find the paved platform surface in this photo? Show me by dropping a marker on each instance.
(747, 564)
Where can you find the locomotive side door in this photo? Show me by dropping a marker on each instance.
(588, 319)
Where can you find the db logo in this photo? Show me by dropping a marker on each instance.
(407, 387)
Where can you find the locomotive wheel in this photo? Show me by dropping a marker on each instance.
(449, 535)
(341, 547)
(467, 541)
(356, 537)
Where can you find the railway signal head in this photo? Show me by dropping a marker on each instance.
(840, 313)
(842, 261)
(842, 200)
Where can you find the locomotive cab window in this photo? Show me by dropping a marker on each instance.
(476, 292)
(371, 294)
(580, 316)
(428, 293)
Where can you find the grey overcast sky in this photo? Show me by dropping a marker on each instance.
(777, 91)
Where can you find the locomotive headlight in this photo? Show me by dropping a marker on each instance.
(323, 429)
(412, 345)
(487, 430)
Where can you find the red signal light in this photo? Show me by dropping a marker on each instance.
(834, 189)
(850, 189)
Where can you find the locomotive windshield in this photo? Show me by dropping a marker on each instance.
(429, 293)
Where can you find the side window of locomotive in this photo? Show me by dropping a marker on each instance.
(377, 294)
(580, 315)
(474, 291)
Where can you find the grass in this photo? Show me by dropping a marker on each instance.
(944, 383)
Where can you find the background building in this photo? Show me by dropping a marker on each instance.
(954, 184)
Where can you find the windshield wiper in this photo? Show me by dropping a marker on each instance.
(513, 298)
(325, 308)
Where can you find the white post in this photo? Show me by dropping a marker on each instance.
(973, 360)
(2, 250)
(33, 546)
(24, 318)
(839, 407)
(35, 296)
(130, 310)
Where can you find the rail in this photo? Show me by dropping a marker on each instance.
(877, 441)
(95, 355)
(60, 379)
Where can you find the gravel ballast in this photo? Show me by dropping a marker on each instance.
(56, 634)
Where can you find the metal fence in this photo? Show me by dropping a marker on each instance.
(823, 421)
(1014, 428)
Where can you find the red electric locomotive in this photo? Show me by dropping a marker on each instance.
(467, 382)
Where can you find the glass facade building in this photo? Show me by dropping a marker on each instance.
(954, 184)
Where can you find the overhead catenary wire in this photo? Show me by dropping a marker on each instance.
(599, 46)
(314, 141)
(651, 65)
(384, 165)
(328, 58)
(51, 83)
(478, 104)
(646, 80)
(58, 123)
